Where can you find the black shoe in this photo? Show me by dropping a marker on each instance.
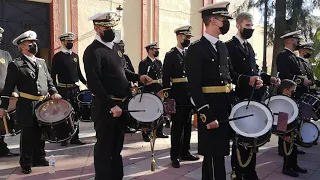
(300, 152)
(64, 143)
(145, 137)
(40, 163)
(130, 130)
(300, 170)
(77, 142)
(315, 143)
(190, 157)
(26, 169)
(9, 154)
(175, 163)
(162, 136)
(290, 172)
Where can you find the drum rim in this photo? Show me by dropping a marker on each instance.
(82, 92)
(308, 122)
(130, 113)
(192, 102)
(266, 129)
(296, 107)
(45, 122)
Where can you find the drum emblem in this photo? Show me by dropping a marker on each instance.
(2, 60)
(75, 59)
(119, 53)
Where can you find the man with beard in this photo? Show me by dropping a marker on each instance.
(155, 72)
(210, 74)
(108, 79)
(243, 61)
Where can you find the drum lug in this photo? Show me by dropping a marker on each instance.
(255, 149)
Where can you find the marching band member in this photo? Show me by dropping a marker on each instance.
(32, 79)
(155, 72)
(210, 74)
(291, 67)
(65, 65)
(5, 59)
(290, 161)
(107, 79)
(174, 72)
(243, 61)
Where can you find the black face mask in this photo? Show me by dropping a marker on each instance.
(33, 48)
(185, 43)
(108, 35)
(156, 54)
(246, 33)
(225, 27)
(69, 45)
(308, 55)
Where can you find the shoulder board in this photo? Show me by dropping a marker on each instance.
(17, 59)
(143, 59)
(171, 50)
(229, 41)
(40, 59)
(195, 42)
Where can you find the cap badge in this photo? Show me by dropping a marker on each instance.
(75, 59)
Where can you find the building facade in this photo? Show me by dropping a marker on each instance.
(143, 21)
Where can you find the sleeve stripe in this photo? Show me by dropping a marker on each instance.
(5, 97)
(207, 105)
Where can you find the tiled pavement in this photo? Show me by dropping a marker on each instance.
(74, 162)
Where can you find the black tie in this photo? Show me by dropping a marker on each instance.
(182, 53)
(246, 47)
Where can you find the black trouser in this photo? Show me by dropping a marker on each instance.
(290, 161)
(3, 146)
(110, 136)
(215, 164)
(180, 132)
(248, 172)
(70, 95)
(31, 145)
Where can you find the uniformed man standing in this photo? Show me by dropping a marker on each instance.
(305, 52)
(210, 74)
(32, 79)
(108, 79)
(5, 59)
(291, 67)
(65, 65)
(174, 73)
(243, 61)
(155, 72)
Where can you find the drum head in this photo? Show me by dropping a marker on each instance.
(85, 96)
(281, 103)
(309, 132)
(152, 105)
(53, 111)
(254, 126)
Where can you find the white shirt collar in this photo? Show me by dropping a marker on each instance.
(31, 58)
(240, 39)
(65, 50)
(210, 38)
(289, 50)
(180, 50)
(108, 44)
(152, 59)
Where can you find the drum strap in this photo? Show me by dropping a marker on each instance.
(285, 150)
(248, 160)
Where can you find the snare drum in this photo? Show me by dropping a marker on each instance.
(281, 103)
(309, 101)
(253, 131)
(153, 106)
(308, 134)
(57, 120)
(84, 99)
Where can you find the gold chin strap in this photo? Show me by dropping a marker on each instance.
(153, 137)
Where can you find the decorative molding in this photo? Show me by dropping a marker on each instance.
(74, 22)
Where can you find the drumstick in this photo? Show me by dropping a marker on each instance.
(4, 119)
(131, 111)
(236, 118)
(253, 89)
(144, 84)
(272, 90)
